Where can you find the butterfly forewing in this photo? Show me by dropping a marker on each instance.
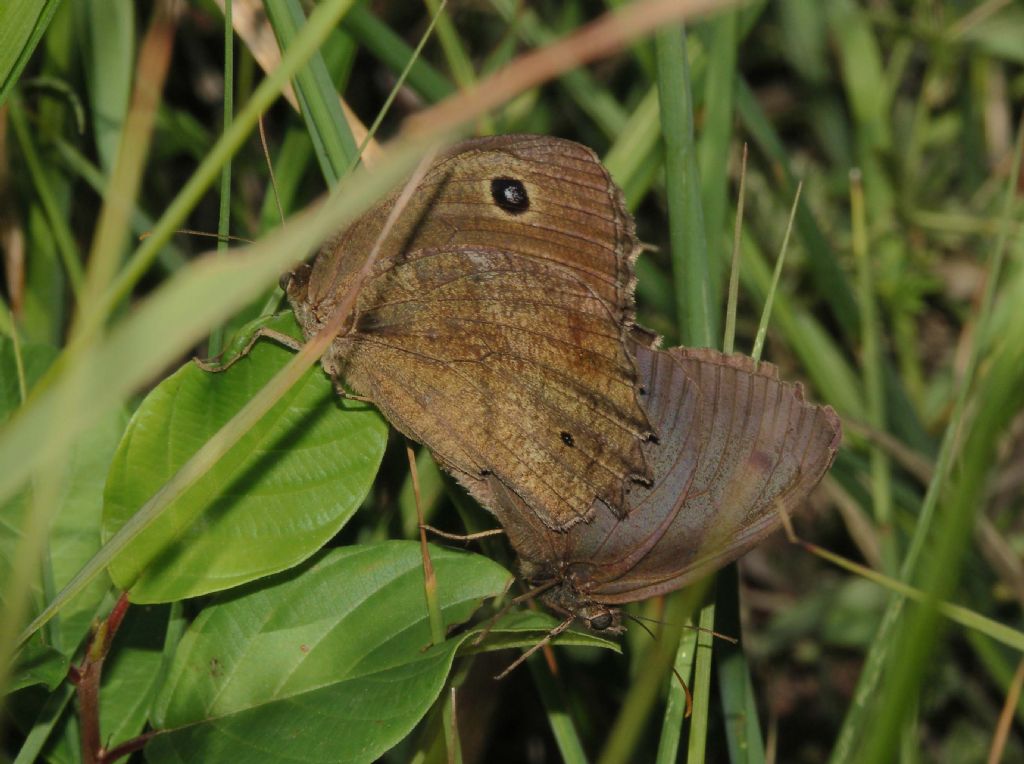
(493, 327)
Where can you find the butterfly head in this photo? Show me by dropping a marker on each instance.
(568, 598)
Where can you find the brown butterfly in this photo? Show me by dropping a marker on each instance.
(493, 326)
(737, 448)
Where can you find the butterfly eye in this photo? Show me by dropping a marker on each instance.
(601, 622)
(510, 194)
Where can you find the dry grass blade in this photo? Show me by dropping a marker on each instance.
(251, 24)
(995, 753)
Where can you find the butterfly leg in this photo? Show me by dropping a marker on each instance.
(280, 338)
(527, 597)
(463, 538)
(550, 635)
(787, 525)
(343, 393)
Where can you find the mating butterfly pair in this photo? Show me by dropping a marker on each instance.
(496, 328)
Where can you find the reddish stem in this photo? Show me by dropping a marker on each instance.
(126, 748)
(87, 680)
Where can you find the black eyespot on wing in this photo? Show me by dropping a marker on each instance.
(641, 389)
(484, 473)
(568, 439)
(510, 194)
(601, 622)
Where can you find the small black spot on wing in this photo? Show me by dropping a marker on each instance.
(510, 194)
(568, 439)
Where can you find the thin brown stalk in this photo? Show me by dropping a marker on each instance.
(1002, 733)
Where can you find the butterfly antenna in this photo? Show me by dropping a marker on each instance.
(270, 169)
(686, 690)
(679, 677)
(640, 622)
(543, 642)
(464, 538)
(640, 618)
(220, 237)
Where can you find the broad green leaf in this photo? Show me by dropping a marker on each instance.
(130, 674)
(127, 693)
(288, 486)
(327, 664)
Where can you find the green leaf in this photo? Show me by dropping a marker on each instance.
(288, 486)
(107, 31)
(328, 664)
(38, 663)
(999, 35)
(130, 675)
(22, 23)
(74, 529)
(525, 628)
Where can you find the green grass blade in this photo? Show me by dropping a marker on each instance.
(107, 33)
(607, 113)
(206, 292)
(335, 147)
(829, 279)
(646, 686)
(454, 52)
(216, 341)
(22, 24)
(880, 653)
(675, 707)
(1000, 397)
(305, 44)
(700, 720)
(739, 707)
(66, 246)
(762, 327)
(394, 53)
(49, 717)
(171, 258)
(698, 322)
(872, 362)
(715, 140)
(556, 708)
